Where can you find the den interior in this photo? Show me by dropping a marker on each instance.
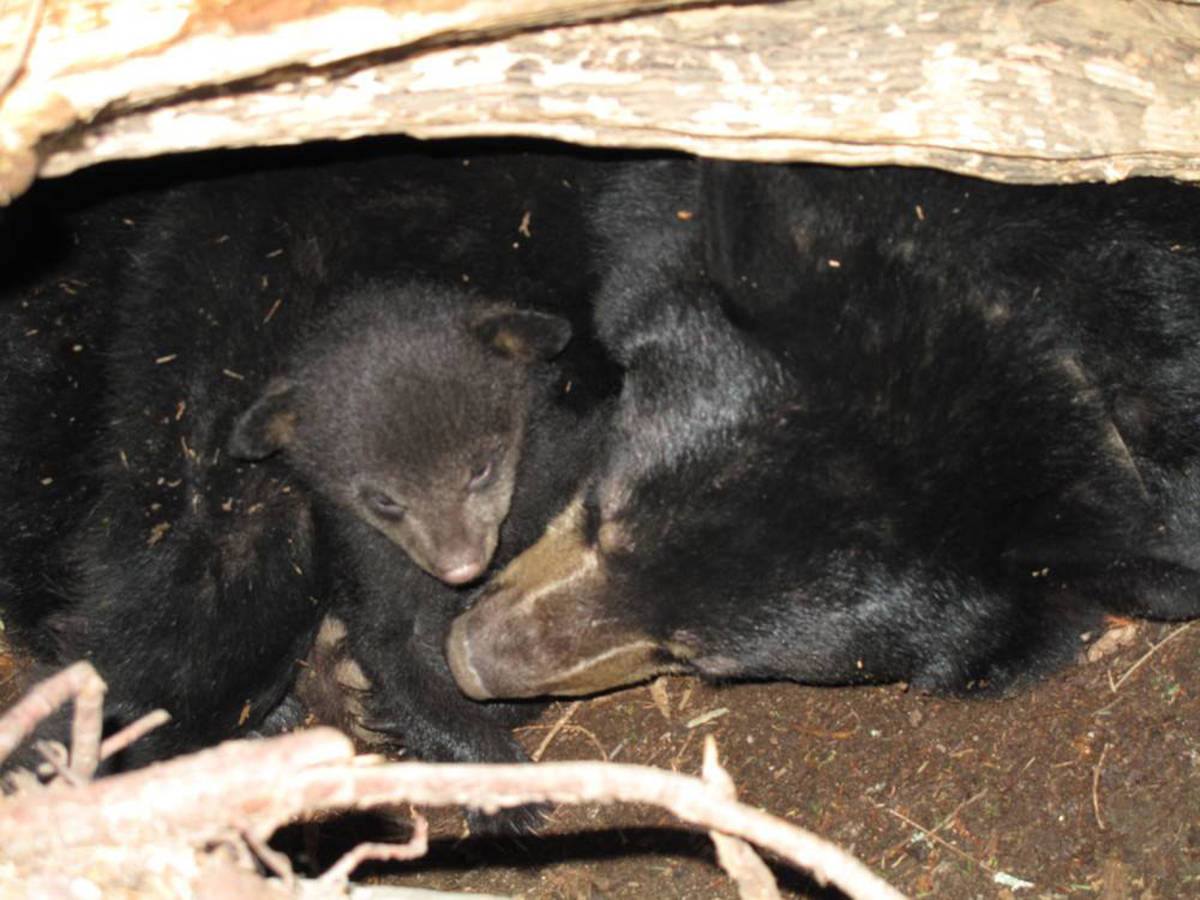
(1085, 782)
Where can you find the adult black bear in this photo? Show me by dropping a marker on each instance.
(876, 425)
(195, 581)
(144, 544)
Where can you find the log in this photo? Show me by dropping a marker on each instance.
(1013, 90)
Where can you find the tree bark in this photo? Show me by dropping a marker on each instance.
(1014, 90)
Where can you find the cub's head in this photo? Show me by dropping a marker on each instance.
(408, 408)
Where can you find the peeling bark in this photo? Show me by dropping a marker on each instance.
(1016, 90)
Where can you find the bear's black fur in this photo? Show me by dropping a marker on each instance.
(194, 580)
(158, 560)
(876, 425)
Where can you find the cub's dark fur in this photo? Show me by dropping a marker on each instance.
(398, 618)
(876, 424)
(194, 580)
(408, 407)
(419, 401)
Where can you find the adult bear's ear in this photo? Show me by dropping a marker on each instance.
(524, 335)
(268, 425)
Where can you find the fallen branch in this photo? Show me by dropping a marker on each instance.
(740, 862)
(78, 682)
(240, 792)
(1174, 634)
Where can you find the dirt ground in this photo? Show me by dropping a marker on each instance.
(1085, 785)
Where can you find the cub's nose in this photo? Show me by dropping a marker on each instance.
(460, 571)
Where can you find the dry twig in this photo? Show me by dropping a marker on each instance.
(79, 683)
(554, 730)
(1170, 637)
(186, 805)
(930, 835)
(737, 858)
(417, 846)
(132, 732)
(1096, 787)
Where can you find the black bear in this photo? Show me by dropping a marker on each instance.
(408, 408)
(391, 619)
(378, 668)
(195, 581)
(876, 425)
(415, 406)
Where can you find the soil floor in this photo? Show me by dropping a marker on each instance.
(1085, 785)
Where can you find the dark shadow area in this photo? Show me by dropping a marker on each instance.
(37, 229)
(313, 847)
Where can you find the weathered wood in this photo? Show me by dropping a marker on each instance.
(95, 63)
(187, 826)
(1020, 90)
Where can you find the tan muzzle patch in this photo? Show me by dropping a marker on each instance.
(545, 626)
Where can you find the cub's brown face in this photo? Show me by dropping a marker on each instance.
(445, 511)
(411, 419)
(432, 468)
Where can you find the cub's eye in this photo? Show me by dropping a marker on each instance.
(481, 476)
(383, 505)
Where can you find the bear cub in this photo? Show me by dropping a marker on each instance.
(410, 414)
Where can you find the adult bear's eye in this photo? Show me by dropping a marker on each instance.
(481, 476)
(382, 504)
(591, 520)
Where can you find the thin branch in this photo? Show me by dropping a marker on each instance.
(1096, 787)
(417, 846)
(133, 731)
(56, 763)
(1174, 634)
(953, 814)
(554, 730)
(41, 701)
(942, 841)
(87, 724)
(751, 875)
(273, 859)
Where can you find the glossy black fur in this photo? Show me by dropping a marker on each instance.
(195, 581)
(936, 428)
(159, 560)
(876, 425)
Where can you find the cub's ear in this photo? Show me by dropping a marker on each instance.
(268, 425)
(524, 335)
